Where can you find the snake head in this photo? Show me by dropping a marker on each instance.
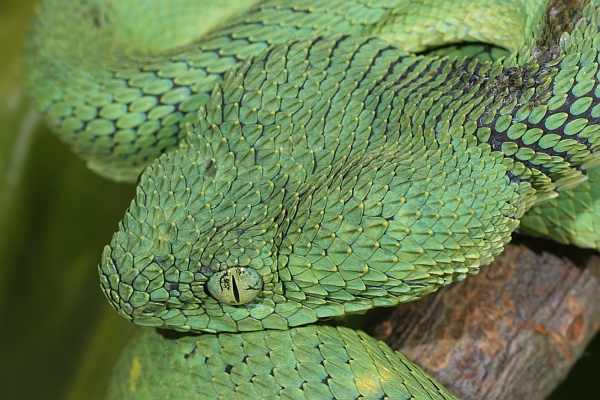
(197, 248)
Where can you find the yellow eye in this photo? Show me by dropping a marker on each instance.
(236, 285)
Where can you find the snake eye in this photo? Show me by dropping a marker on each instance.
(236, 285)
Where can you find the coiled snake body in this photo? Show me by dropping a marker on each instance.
(313, 166)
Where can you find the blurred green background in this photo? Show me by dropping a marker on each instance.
(58, 336)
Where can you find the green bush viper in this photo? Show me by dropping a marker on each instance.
(309, 159)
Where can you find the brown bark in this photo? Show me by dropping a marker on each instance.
(513, 331)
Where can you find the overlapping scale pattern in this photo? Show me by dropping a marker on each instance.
(573, 217)
(121, 95)
(318, 166)
(302, 143)
(314, 362)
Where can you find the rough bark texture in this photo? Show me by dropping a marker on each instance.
(513, 331)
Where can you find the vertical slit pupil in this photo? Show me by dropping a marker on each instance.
(236, 292)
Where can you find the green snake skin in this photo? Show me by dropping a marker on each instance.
(313, 159)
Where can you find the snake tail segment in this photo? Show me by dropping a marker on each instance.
(333, 175)
(121, 94)
(573, 217)
(313, 362)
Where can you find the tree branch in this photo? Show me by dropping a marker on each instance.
(513, 331)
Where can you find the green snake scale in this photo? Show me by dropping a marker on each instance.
(311, 159)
